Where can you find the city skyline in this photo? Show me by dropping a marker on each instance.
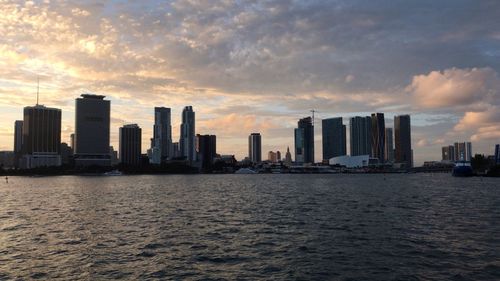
(259, 68)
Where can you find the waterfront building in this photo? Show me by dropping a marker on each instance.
(161, 143)
(402, 140)
(334, 138)
(206, 147)
(255, 147)
(288, 157)
(358, 161)
(176, 152)
(378, 137)
(389, 146)
(304, 141)
(7, 159)
(278, 156)
(72, 143)
(468, 151)
(448, 153)
(66, 154)
(130, 145)
(360, 135)
(187, 139)
(497, 154)
(41, 138)
(92, 122)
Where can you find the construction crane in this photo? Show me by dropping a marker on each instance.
(313, 111)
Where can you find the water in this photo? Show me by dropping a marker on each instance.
(248, 227)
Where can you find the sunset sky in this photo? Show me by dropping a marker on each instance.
(259, 66)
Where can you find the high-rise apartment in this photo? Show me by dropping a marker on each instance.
(130, 146)
(206, 147)
(187, 139)
(360, 133)
(448, 153)
(304, 141)
(334, 138)
(402, 140)
(92, 124)
(161, 143)
(378, 137)
(497, 154)
(255, 147)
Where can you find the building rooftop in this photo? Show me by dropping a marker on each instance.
(92, 96)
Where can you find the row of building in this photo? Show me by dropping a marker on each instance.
(37, 138)
(459, 151)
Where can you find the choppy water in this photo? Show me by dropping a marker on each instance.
(247, 227)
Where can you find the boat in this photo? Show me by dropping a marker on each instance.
(113, 173)
(462, 169)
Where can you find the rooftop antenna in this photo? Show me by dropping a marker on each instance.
(37, 88)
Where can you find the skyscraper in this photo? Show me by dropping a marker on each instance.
(288, 157)
(92, 131)
(272, 157)
(402, 139)
(378, 137)
(389, 146)
(130, 145)
(206, 147)
(463, 151)
(304, 141)
(334, 138)
(468, 151)
(255, 147)
(161, 144)
(187, 139)
(41, 141)
(360, 132)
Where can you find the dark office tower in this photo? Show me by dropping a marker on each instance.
(72, 142)
(255, 147)
(278, 156)
(161, 144)
(206, 147)
(378, 137)
(304, 141)
(92, 131)
(66, 153)
(41, 142)
(361, 131)
(334, 138)
(389, 146)
(187, 140)
(18, 141)
(468, 151)
(130, 145)
(497, 154)
(402, 139)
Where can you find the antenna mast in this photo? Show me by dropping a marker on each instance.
(313, 111)
(37, 88)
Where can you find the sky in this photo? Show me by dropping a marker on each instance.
(259, 66)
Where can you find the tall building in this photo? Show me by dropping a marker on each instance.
(402, 140)
(448, 153)
(92, 131)
(255, 147)
(468, 151)
(378, 137)
(206, 147)
(360, 133)
(18, 141)
(278, 156)
(304, 141)
(497, 154)
(187, 139)
(72, 142)
(389, 146)
(161, 143)
(41, 140)
(334, 138)
(130, 145)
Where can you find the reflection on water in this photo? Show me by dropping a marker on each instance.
(282, 227)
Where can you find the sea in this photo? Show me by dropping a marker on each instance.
(250, 227)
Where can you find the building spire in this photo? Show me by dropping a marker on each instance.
(37, 88)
